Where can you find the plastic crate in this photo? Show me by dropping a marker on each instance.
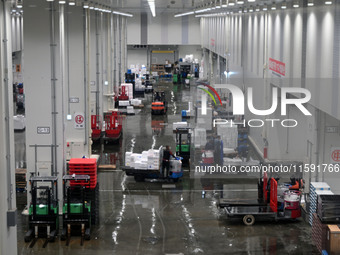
(84, 166)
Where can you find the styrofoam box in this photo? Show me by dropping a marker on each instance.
(179, 125)
(19, 122)
(124, 103)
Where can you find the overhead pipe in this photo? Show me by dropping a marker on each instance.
(7, 109)
(53, 89)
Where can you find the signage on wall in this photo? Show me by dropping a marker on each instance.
(74, 99)
(43, 130)
(335, 155)
(277, 66)
(79, 120)
(212, 42)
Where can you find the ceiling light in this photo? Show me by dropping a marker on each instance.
(152, 7)
(251, 1)
(183, 14)
(265, 8)
(240, 10)
(19, 4)
(62, 2)
(296, 4)
(251, 9)
(231, 2)
(85, 5)
(49, 0)
(245, 10)
(91, 7)
(240, 2)
(257, 8)
(71, 2)
(122, 13)
(273, 7)
(284, 5)
(328, 2)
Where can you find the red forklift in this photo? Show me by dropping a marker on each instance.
(268, 205)
(113, 127)
(96, 127)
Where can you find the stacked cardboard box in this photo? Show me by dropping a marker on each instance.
(179, 125)
(317, 188)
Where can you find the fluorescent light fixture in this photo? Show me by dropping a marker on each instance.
(251, 9)
(310, 3)
(284, 5)
(152, 7)
(86, 5)
(273, 7)
(71, 2)
(265, 8)
(62, 2)
(328, 2)
(296, 4)
(231, 3)
(240, 10)
(123, 14)
(183, 14)
(245, 10)
(251, 1)
(257, 8)
(19, 5)
(91, 7)
(49, 0)
(240, 2)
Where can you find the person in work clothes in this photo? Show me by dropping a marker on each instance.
(166, 161)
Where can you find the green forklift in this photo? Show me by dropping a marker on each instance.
(183, 143)
(76, 208)
(43, 210)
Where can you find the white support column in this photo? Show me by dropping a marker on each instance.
(8, 232)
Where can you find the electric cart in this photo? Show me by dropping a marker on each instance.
(267, 207)
(43, 210)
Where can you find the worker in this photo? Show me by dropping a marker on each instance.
(196, 72)
(166, 161)
(157, 97)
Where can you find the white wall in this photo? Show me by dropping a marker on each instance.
(164, 29)
(307, 41)
(137, 57)
(195, 50)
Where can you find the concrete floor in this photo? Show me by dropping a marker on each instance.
(150, 218)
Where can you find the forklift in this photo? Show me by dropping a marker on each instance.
(159, 104)
(76, 210)
(183, 142)
(43, 210)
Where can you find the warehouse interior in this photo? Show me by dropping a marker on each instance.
(97, 95)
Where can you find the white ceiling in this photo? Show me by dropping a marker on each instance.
(135, 6)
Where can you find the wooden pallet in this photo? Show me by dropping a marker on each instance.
(106, 167)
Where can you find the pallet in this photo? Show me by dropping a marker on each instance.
(106, 167)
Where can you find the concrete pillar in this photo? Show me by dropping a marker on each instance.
(8, 230)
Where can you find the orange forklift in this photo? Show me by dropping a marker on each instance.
(159, 104)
